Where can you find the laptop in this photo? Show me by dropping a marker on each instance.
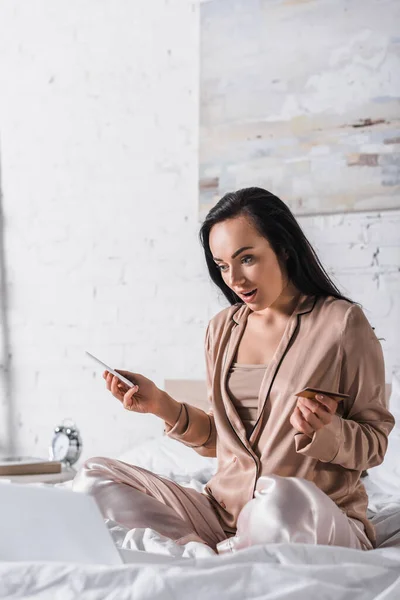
(43, 523)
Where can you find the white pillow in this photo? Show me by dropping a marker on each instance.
(169, 458)
(387, 475)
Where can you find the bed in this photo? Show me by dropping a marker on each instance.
(160, 569)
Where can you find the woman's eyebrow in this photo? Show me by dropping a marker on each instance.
(235, 254)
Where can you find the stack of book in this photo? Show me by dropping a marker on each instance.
(28, 465)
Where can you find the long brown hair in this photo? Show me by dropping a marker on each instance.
(273, 220)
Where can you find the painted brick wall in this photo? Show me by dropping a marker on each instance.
(99, 136)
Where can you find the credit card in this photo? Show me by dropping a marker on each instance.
(311, 392)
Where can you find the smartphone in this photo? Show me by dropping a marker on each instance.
(311, 392)
(107, 368)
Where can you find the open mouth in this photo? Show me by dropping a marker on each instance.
(249, 295)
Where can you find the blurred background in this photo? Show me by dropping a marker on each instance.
(121, 123)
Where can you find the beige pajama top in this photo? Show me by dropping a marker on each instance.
(329, 344)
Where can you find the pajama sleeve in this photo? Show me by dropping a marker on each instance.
(358, 440)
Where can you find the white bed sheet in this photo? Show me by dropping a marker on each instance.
(159, 568)
(270, 572)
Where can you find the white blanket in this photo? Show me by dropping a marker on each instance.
(270, 572)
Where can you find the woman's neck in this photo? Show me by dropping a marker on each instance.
(283, 306)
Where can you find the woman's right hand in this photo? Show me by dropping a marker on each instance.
(144, 397)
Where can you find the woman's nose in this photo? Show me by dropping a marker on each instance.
(235, 279)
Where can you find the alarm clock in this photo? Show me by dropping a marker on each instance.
(66, 445)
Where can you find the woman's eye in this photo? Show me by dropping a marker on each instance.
(247, 259)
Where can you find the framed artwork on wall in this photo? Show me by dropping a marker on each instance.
(301, 98)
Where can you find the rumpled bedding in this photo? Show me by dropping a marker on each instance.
(157, 568)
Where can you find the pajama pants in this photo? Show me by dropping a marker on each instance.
(284, 509)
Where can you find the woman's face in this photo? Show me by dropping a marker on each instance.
(247, 262)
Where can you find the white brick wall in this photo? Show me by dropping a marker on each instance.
(99, 137)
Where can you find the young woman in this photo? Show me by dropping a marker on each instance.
(289, 467)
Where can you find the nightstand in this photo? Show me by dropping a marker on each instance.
(51, 478)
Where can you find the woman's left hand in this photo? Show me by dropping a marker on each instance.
(311, 415)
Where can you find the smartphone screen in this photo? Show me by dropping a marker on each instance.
(110, 370)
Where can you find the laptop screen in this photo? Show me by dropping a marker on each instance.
(43, 523)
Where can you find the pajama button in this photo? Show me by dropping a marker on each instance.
(223, 504)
